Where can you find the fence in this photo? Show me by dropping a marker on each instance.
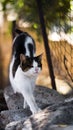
(62, 54)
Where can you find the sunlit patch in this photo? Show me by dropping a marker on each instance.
(62, 86)
(61, 37)
(62, 125)
(64, 89)
(59, 126)
(54, 37)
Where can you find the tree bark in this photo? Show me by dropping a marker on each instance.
(46, 45)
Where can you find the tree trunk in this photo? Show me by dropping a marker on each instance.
(47, 48)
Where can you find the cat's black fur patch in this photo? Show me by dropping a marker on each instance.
(19, 48)
(30, 49)
(38, 60)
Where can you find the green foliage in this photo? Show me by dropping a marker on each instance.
(55, 11)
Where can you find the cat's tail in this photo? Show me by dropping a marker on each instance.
(18, 31)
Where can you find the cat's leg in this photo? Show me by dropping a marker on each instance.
(25, 104)
(32, 104)
(14, 91)
(14, 88)
(29, 98)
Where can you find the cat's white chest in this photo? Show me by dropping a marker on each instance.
(23, 82)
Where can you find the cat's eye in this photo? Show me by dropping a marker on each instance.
(29, 66)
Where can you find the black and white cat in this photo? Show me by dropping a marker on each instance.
(24, 68)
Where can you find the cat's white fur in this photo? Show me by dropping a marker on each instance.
(24, 83)
(28, 40)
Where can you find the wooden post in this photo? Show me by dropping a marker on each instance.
(47, 48)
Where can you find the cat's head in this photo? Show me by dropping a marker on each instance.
(31, 66)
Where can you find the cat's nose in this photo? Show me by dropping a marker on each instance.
(36, 69)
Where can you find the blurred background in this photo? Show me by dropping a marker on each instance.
(58, 16)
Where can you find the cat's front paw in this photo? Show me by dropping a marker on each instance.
(25, 105)
(14, 91)
(39, 110)
(36, 111)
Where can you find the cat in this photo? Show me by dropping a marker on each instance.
(24, 68)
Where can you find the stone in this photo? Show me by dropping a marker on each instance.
(43, 95)
(1, 125)
(14, 101)
(47, 96)
(55, 117)
(14, 115)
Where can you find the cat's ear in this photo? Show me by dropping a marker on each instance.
(22, 57)
(40, 56)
